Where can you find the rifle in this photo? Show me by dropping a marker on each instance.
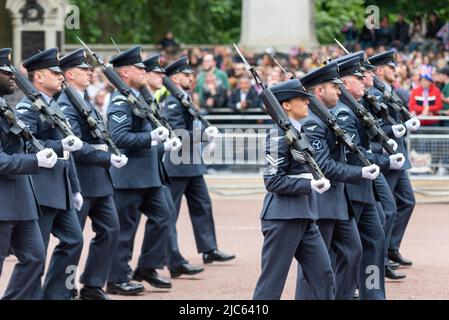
(379, 109)
(373, 130)
(178, 94)
(97, 128)
(329, 119)
(392, 99)
(50, 113)
(150, 101)
(19, 128)
(297, 141)
(138, 106)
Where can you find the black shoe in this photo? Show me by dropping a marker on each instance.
(90, 293)
(186, 269)
(393, 265)
(152, 277)
(393, 275)
(395, 256)
(125, 288)
(215, 255)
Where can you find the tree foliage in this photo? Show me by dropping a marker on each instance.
(146, 21)
(413, 7)
(332, 15)
(218, 21)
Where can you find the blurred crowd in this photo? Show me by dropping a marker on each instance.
(222, 83)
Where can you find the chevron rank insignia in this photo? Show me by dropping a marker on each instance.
(344, 118)
(272, 165)
(119, 119)
(172, 106)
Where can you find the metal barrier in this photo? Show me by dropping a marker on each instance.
(242, 145)
(429, 150)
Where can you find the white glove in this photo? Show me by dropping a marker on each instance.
(398, 130)
(397, 161)
(77, 201)
(367, 174)
(44, 161)
(314, 184)
(211, 132)
(393, 145)
(119, 161)
(159, 134)
(413, 124)
(72, 143)
(209, 149)
(172, 144)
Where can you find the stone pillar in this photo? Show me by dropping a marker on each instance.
(279, 24)
(37, 25)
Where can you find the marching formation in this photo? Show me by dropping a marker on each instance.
(338, 194)
(344, 226)
(60, 164)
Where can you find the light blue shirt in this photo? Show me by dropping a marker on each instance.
(296, 124)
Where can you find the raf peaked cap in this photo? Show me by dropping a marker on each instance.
(361, 55)
(153, 64)
(74, 59)
(5, 59)
(47, 59)
(384, 58)
(130, 57)
(327, 73)
(180, 65)
(350, 67)
(289, 89)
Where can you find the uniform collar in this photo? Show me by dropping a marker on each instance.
(296, 124)
(388, 87)
(136, 92)
(47, 98)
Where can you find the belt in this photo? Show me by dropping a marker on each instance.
(102, 147)
(66, 155)
(301, 176)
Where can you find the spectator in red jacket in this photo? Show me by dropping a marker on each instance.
(425, 100)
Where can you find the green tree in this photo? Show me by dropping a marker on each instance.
(332, 15)
(412, 7)
(146, 21)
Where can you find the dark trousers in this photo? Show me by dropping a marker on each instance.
(130, 204)
(372, 268)
(386, 207)
(63, 225)
(24, 238)
(174, 256)
(402, 190)
(200, 210)
(105, 224)
(342, 240)
(299, 239)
